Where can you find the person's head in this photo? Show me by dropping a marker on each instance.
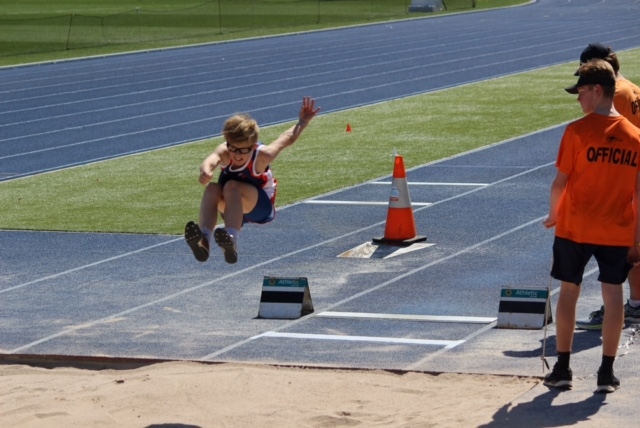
(597, 82)
(241, 133)
(600, 51)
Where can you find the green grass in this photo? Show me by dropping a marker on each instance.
(157, 192)
(34, 31)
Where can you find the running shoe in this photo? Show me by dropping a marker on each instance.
(631, 314)
(196, 241)
(225, 241)
(559, 378)
(607, 382)
(594, 322)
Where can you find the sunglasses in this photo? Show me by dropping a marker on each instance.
(241, 150)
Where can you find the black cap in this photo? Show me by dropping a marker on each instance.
(594, 50)
(603, 79)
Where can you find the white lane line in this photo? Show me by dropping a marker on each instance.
(384, 284)
(461, 195)
(99, 262)
(445, 343)
(334, 202)
(284, 256)
(95, 140)
(431, 183)
(404, 317)
(106, 319)
(418, 364)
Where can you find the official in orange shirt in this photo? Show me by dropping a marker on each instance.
(593, 204)
(626, 100)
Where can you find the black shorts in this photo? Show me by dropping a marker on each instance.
(570, 259)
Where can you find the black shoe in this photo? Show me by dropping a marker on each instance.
(607, 382)
(196, 241)
(225, 241)
(559, 378)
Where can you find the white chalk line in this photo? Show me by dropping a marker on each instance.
(209, 283)
(382, 285)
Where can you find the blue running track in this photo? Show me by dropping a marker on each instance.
(144, 298)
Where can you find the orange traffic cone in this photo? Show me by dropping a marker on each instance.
(348, 128)
(400, 228)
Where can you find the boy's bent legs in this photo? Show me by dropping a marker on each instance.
(566, 315)
(209, 206)
(198, 236)
(613, 321)
(239, 198)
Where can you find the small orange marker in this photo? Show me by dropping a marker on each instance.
(348, 128)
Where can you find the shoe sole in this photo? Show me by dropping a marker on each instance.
(561, 384)
(607, 389)
(588, 327)
(628, 321)
(224, 241)
(193, 236)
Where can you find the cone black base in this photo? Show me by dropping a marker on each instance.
(403, 243)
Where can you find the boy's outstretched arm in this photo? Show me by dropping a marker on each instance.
(210, 164)
(308, 111)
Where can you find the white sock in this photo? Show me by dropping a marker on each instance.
(634, 303)
(206, 232)
(234, 234)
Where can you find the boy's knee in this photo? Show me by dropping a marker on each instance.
(212, 189)
(231, 186)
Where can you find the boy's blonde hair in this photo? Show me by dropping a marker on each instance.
(240, 128)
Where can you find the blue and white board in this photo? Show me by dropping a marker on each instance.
(524, 307)
(285, 298)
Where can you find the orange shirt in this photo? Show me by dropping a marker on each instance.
(627, 100)
(601, 156)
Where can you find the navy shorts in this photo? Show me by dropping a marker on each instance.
(570, 259)
(263, 212)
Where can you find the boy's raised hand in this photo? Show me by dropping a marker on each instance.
(308, 110)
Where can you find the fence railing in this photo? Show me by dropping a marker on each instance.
(211, 19)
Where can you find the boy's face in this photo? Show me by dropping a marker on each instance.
(587, 97)
(240, 151)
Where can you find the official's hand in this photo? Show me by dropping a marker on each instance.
(549, 222)
(633, 255)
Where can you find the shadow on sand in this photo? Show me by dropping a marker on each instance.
(540, 412)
